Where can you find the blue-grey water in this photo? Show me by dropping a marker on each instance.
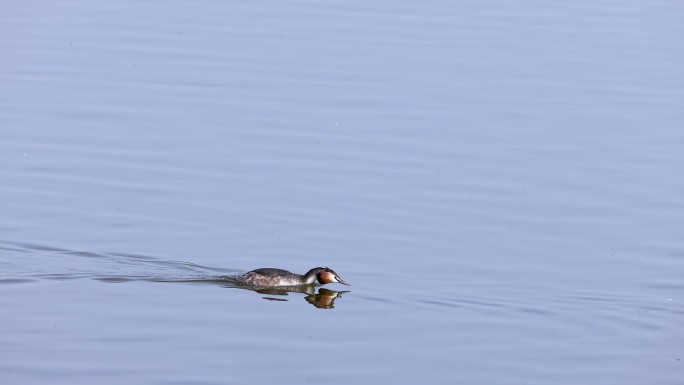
(502, 183)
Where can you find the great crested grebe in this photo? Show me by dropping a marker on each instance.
(279, 277)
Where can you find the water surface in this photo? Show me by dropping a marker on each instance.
(499, 182)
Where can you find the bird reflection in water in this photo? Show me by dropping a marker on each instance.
(281, 282)
(322, 298)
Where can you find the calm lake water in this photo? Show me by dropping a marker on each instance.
(502, 183)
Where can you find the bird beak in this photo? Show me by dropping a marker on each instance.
(342, 281)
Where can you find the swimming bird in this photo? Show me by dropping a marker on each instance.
(278, 277)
